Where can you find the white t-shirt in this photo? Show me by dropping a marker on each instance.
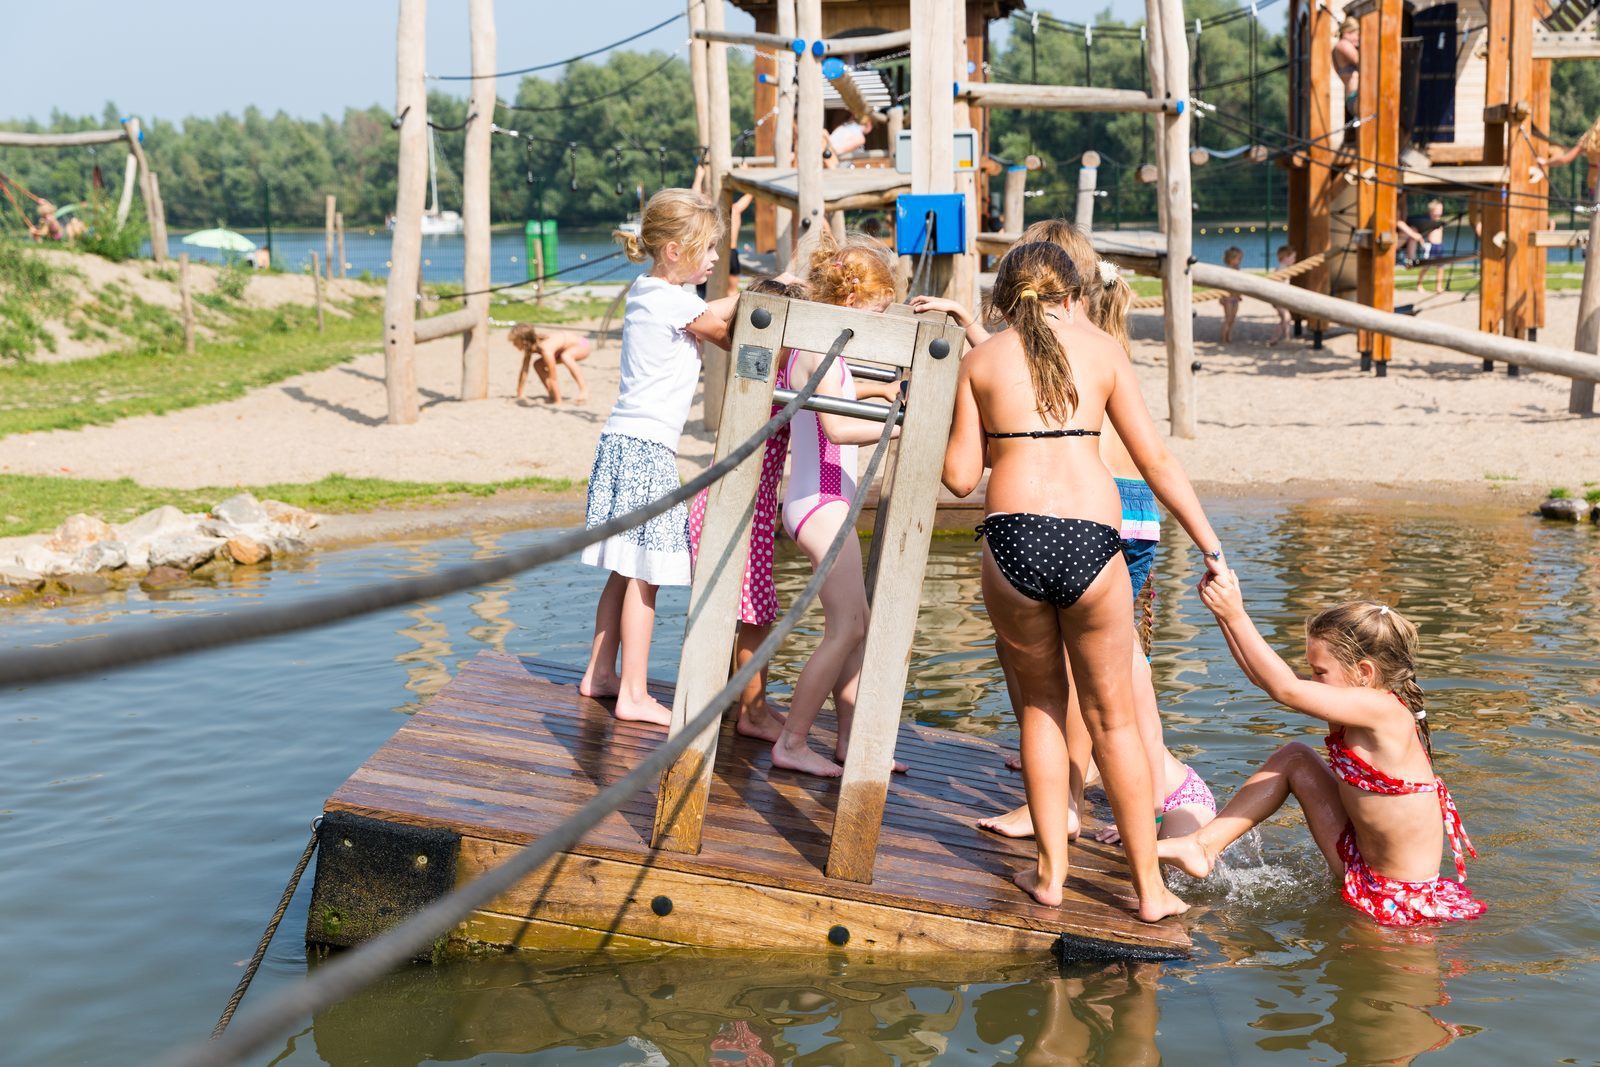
(660, 362)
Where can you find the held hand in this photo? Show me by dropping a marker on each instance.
(1221, 593)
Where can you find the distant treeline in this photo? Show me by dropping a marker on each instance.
(223, 170)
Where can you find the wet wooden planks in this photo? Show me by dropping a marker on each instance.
(509, 749)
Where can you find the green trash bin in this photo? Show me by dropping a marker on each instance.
(541, 233)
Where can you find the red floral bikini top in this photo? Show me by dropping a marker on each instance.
(1360, 774)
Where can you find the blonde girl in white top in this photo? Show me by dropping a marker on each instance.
(636, 460)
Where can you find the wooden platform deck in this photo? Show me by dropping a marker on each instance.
(508, 749)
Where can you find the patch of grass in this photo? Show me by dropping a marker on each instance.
(1592, 497)
(252, 352)
(1491, 476)
(30, 292)
(554, 311)
(233, 278)
(1559, 493)
(105, 238)
(32, 503)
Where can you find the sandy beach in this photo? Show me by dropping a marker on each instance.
(1272, 420)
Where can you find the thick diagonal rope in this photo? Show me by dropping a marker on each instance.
(22, 666)
(1200, 296)
(361, 967)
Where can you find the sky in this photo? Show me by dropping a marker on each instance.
(177, 58)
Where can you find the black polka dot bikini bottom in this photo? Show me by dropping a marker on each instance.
(1049, 559)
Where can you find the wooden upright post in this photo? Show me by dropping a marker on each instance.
(1493, 239)
(1385, 195)
(808, 122)
(933, 122)
(1012, 203)
(905, 522)
(714, 360)
(1318, 176)
(964, 265)
(158, 237)
(719, 573)
(405, 249)
(330, 209)
(316, 286)
(697, 71)
(152, 209)
(1177, 292)
(338, 234)
(783, 131)
(475, 181)
(1521, 218)
(186, 298)
(1088, 174)
(1580, 400)
(130, 175)
(1540, 219)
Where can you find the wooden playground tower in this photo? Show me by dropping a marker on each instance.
(946, 42)
(1489, 108)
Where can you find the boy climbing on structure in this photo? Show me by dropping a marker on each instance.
(554, 347)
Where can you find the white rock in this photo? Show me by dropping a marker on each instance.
(78, 532)
(185, 551)
(241, 510)
(163, 520)
(289, 515)
(41, 560)
(288, 546)
(100, 556)
(21, 577)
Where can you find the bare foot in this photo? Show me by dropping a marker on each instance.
(1187, 854)
(1014, 762)
(648, 709)
(804, 760)
(1019, 823)
(599, 687)
(584, 399)
(1029, 882)
(760, 721)
(1162, 905)
(898, 768)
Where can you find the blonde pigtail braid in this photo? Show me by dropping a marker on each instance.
(632, 246)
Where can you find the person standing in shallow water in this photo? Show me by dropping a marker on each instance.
(1053, 572)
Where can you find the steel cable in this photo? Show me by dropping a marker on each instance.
(28, 665)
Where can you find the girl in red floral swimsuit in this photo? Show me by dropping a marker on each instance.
(1381, 830)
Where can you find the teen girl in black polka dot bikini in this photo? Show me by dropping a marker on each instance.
(1053, 571)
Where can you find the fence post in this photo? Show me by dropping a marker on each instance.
(405, 256)
(904, 527)
(338, 233)
(719, 572)
(187, 301)
(329, 211)
(316, 284)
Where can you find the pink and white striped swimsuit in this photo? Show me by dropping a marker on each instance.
(820, 472)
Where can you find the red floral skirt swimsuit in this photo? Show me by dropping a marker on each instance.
(1389, 900)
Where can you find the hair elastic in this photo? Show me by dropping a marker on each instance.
(1383, 609)
(1028, 294)
(1108, 272)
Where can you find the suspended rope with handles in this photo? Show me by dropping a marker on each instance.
(22, 666)
(359, 968)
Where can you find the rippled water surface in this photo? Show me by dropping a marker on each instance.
(149, 818)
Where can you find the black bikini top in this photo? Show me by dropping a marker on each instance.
(1047, 433)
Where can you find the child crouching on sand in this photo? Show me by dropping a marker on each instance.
(636, 460)
(1375, 807)
(545, 352)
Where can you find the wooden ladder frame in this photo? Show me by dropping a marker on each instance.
(764, 327)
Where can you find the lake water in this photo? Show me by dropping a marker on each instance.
(149, 819)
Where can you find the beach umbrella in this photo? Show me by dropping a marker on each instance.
(226, 240)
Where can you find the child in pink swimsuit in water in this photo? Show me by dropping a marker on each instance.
(758, 599)
(1381, 831)
(822, 481)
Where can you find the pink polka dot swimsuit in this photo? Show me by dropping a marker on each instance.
(820, 472)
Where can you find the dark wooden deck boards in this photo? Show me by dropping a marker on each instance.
(509, 749)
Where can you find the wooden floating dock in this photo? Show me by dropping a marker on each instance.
(508, 749)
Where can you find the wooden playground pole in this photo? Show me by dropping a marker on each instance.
(330, 209)
(932, 122)
(405, 250)
(964, 265)
(158, 237)
(808, 123)
(1156, 72)
(1320, 154)
(1540, 218)
(316, 286)
(783, 131)
(130, 175)
(1088, 172)
(338, 234)
(152, 210)
(475, 180)
(1520, 218)
(1384, 191)
(697, 70)
(719, 576)
(186, 297)
(1176, 288)
(718, 128)
(1013, 201)
(1580, 401)
(1493, 238)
